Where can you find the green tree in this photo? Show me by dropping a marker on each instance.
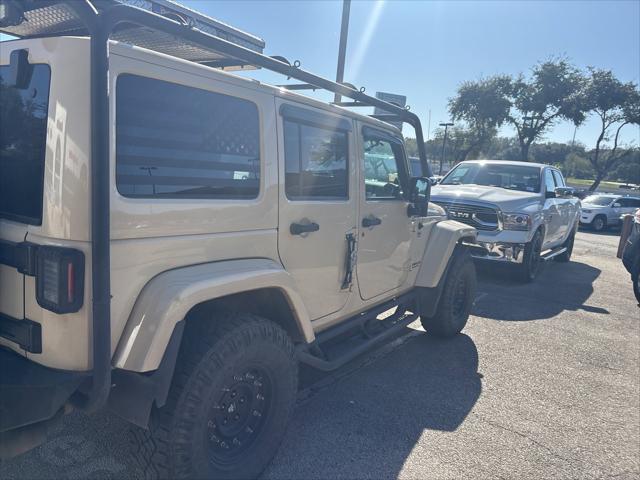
(483, 106)
(577, 165)
(551, 153)
(462, 144)
(536, 104)
(628, 170)
(502, 148)
(616, 104)
(411, 147)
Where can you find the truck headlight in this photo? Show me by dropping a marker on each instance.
(516, 221)
(584, 210)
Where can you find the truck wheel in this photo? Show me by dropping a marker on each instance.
(456, 300)
(568, 244)
(599, 223)
(232, 394)
(636, 286)
(528, 270)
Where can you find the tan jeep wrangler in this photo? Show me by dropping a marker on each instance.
(176, 239)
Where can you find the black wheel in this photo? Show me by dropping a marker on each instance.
(531, 264)
(456, 300)
(232, 394)
(599, 223)
(636, 286)
(568, 244)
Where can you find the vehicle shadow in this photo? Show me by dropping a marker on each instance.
(366, 427)
(558, 288)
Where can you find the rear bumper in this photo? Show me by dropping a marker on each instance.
(30, 395)
(498, 251)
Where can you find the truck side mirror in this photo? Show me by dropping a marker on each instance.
(549, 194)
(563, 192)
(617, 205)
(419, 193)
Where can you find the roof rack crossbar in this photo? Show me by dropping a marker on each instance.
(350, 104)
(298, 86)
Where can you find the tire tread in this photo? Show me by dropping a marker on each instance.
(209, 341)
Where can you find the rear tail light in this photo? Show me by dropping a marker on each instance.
(59, 279)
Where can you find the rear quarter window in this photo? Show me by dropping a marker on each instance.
(174, 141)
(23, 131)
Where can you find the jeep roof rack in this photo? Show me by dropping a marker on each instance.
(52, 18)
(165, 27)
(170, 28)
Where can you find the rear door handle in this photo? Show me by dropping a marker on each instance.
(371, 221)
(300, 228)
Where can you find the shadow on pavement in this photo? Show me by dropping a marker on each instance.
(558, 288)
(366, 426)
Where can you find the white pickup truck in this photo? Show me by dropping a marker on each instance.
(524, 212)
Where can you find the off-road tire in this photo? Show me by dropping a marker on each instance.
(636, 286)
(215, 357)
(456, 300)
(568, 244)
(599, 223)
(531, 265)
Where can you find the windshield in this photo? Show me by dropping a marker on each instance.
(598, 200)
(23, 128)
(511, 177)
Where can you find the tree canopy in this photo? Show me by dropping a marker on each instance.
(555, 90)
(616, 104)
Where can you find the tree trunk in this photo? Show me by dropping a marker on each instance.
(596, 182)
(524, 151)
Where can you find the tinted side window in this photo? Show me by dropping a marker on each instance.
(383, 168)
(174, 141)
(548, 181)
(558, 178)
(629, 202)
(315, 162)
(23, 135)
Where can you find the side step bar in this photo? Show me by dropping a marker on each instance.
(314, 356)
(553, 253)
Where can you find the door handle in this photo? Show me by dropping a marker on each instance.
(371, 221)
(300, 228)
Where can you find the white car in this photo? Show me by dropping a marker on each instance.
(524, 212)
(600, 211)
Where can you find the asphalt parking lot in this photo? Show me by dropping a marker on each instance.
(544, 382)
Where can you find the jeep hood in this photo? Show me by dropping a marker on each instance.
(506, 200)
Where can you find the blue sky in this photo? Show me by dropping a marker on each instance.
(424, 49)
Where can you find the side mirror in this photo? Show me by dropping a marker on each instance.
(617, 205)
(563, 192)
(419, 193)
(550, 194)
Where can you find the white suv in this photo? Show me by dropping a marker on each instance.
(600, 211)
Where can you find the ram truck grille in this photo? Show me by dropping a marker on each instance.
(479, 217)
